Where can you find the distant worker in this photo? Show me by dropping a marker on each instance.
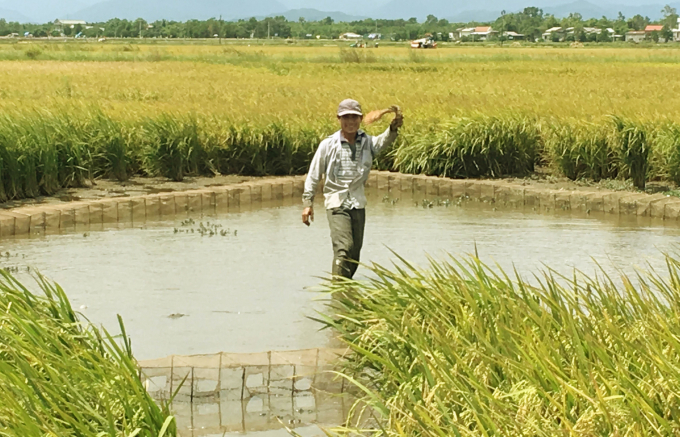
(345, 159)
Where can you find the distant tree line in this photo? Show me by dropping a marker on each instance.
(532, 22)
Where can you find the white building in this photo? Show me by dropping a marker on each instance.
(61, 24)
(350, 35)
(554, 32)
(635, 36)
(479, 33)
(676, 32)
(464, 31)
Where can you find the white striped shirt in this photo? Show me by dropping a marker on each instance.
(347, 170)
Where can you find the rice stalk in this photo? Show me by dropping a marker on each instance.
(634, 150)
(59, 376)
(472, 147)
(460, 348)
(582, 150)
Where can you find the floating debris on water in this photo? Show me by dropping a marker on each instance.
(177, 316)
(427, 203)
(391, 200)
(204, 229)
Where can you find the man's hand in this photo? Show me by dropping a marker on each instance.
(397, 122)
(308, 215)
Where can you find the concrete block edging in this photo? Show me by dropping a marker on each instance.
(54, 217)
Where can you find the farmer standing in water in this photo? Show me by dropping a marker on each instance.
(345, 159)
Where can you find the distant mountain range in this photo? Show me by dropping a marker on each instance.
(42, 11)
(10, 15)
(316, 15)
(179, 9)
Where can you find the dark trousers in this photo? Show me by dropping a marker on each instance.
(347, 234)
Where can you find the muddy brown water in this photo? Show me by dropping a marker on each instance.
(252, 290)
(183, 293)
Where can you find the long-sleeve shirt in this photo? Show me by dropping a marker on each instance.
(345, 177)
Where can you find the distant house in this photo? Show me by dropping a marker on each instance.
(554, 33)
(641, 35)
(481, 33)
(463, 32)
(61, 24)
(375, 36)
(350, 35)
(594, 31)
(654, 28)
(676, 32)
(513, 36)
(635, 36)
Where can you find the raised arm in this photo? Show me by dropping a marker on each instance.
(385, 140)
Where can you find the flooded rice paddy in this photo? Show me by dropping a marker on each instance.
(245, 282)
(250, 286)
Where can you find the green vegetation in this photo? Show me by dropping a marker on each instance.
(619, 149)
(471, 147)
(530, 22)
(41, 153)
(462, 349)
(59, 376)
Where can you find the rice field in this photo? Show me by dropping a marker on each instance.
(42, 152)
(73, 112)
(459, 348)
(269, 82)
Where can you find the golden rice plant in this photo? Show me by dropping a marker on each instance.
(582, 150)
(59, 375)
(634, 149)
(463, 349)
(472, 147)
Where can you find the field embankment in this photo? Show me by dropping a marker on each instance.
(463, 349)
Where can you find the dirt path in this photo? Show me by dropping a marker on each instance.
(136, 186)
(139, 186)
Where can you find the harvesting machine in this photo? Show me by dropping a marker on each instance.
(424, 43)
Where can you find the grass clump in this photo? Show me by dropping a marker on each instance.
(461, 349)
(582, 150)
(59, 376)
(172, 146)
(472, 147)
(665, 154)
(634, 149)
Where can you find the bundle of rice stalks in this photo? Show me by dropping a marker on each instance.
(376, 115)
